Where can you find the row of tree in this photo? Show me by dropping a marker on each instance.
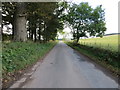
(34, 21)
(85, 21)
(41, 21)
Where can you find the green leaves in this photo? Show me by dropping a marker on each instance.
(45, 17)
(85, 20)
(15, 58)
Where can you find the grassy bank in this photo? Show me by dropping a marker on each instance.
(16, 56)
(104, 57)
(107, 42)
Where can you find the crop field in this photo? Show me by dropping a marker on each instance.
(107, 42)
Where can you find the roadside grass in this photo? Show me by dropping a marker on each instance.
(107, 42)
(106, 58)
(16, 56)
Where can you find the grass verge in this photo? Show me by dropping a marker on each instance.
(17, 56)
(103, 57)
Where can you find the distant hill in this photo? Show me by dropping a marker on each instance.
(112, 34)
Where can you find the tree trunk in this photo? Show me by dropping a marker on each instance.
(20, 31)
(30, 31)
(45, 36)
(13, 25)
(0, 24)
(32, 34)
(39, 34)
(77, 40)
(77, 36)
(35, 35)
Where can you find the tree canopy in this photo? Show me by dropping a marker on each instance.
(85, 20)
(42, 20)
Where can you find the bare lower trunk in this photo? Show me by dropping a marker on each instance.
(30, 32)
(1, 23)
(77, 40)
(77, 36)
(35, 35)
(13, 25)
(39, 32)
(20, 31)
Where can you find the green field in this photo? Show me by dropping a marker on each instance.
(107, 42)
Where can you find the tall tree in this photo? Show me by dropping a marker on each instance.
(97, 26)
(20, 22)
(14, 13)
(86, 20)
(44, 15)
(37, 17)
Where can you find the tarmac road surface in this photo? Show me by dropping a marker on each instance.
(63, 67)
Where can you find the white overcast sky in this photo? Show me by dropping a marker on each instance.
(111, 12)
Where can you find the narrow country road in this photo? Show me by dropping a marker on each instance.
(63, 67)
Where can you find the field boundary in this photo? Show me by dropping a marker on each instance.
(115, 71)
(110, 42)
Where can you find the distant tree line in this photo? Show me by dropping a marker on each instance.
(112, 34)
(37, 21)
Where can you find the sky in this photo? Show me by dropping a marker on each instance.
(111, 13)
